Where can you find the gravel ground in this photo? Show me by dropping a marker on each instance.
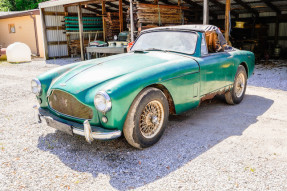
(213, 147)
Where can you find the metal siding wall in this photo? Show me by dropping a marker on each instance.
(56, 35)
(283, 32)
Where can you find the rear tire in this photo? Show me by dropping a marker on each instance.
(147, 118)
(235, 96)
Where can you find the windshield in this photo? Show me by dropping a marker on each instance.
(184, 42)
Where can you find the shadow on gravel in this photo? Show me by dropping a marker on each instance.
(187, 136)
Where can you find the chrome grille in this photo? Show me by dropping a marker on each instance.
(67, 104)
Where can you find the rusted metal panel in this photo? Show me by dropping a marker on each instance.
(213, 94)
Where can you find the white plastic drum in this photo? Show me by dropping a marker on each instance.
(18, 52)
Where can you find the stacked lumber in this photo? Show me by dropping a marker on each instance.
(113, 25)
(74, 46)
(149, 16)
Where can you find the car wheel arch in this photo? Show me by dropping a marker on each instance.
(167, 94)
(244, 64)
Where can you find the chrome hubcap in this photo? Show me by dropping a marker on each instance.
(239, 85)
(151, 119)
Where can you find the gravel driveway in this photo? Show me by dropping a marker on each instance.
(213, 147)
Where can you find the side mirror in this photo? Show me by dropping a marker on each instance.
(115, 37)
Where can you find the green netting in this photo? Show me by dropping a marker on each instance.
(76, 25)
(85, 29)
(84, 18)
(87, 22)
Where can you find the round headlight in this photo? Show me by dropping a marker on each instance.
(103, 101)
(36, 86)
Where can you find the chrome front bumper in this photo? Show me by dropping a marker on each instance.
(69, 127)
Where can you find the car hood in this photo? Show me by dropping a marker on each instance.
(94, 72)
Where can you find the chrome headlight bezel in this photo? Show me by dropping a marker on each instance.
(108, 101)
(38, 86)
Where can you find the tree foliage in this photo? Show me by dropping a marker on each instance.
(19, 5)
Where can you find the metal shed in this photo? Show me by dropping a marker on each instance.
(272, 14)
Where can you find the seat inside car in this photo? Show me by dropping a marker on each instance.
(212, 42)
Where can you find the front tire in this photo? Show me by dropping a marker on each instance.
(147, 118)
(235, 96)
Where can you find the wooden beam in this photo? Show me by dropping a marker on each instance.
(165, 6)
(272, 6)
(100, 7)
(132, 20)
(222, 7)
(88, 2)
(264, 20)
(56, 28)
(167, 2)
(114, 6)
(121, 15)
(67, 35)
(91, 9)
(57, 42)
(227, 20)
(42, 12)
(71, 14)
(126, 2)
(246, 6)
(104, 21)
(81, 29)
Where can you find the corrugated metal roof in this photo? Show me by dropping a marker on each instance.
(10, 14)
(236, 6)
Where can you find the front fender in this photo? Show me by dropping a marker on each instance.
(123, 90)
(47, 78)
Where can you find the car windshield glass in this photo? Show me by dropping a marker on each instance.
(184, 42)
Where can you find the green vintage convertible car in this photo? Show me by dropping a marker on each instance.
(169, 70)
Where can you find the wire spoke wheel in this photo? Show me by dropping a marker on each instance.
(151, 119)
(147, 118)
(236, 94)
(239, 85)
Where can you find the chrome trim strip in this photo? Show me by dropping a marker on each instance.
(100, 135)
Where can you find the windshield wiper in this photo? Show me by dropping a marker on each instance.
(139, 50)
(149, 49)
(154, 49)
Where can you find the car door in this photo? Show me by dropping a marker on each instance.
(215, 69)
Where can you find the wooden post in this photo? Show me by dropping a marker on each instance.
(132, 21)
(103, 17)
(42, 12)
(121, 15)
(227, 19)
(81, 29)
(205, 12)
(67, 35)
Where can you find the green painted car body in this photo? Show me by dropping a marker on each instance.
(185, 80)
